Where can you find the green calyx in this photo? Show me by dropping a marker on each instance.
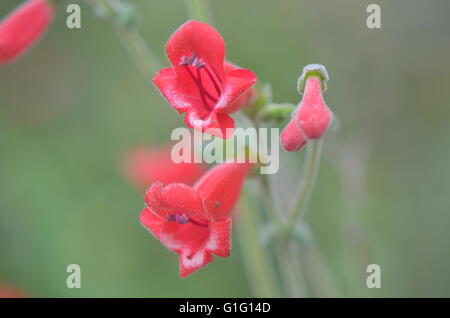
(313, 70)
(262, 99)
(275, 112)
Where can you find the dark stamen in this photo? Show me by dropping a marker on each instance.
(201, 89)
(181, 218)
(195, 79)
(199, 64)
(216, 86)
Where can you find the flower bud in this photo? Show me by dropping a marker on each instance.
(313, 116)
(292, 138)
(22, 27)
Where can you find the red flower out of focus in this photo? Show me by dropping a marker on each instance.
(22, 27)
(200, 82)
(312, 117)
(7, 291)
(195, 221)
(145, 165)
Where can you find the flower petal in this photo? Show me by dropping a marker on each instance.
(236, 83)
(220, 187)
(200, 39)
(192, 242)
(180, 97)
(217, 124)
(174, 198)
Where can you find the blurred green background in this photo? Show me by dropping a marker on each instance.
(73, 106)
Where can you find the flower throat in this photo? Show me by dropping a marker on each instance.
(209, 85)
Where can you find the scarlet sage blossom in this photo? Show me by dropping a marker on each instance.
(195, 221)
(200, 82)
(22, 27)
(144, 165)
(312, 117)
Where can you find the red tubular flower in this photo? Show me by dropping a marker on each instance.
(312, 117)
(195, 221)
(22, 27)
(200, 82)
(144, 165)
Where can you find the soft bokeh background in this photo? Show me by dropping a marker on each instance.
(75, 104)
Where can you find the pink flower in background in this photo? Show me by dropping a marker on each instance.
(8, 291)
(312, 117)
(22, 27)
(144, 165)
(200, 82)
(195, 221)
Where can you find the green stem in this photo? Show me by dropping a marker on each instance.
(267, 198)
(306, 187)
(199, 10)
(131, 39)
(321, 281)
(290, 270)
(259, 271)
(143, 57)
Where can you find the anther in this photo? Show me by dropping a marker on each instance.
(179, 218)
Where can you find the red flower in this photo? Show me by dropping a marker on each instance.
(144, 165)
(200, 82)
(195, 221)
(22, 27)
(312, 117)
(7, 291)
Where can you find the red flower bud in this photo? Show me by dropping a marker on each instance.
(292, 138)
(312, 117)
(195, 222)
(22, 27)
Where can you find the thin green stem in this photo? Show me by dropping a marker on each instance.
(305, 188)
(321, 281)
(143, 57)
(199, 10)
(131, 39)
(289, 268)
(267, 197)
(259, 271)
